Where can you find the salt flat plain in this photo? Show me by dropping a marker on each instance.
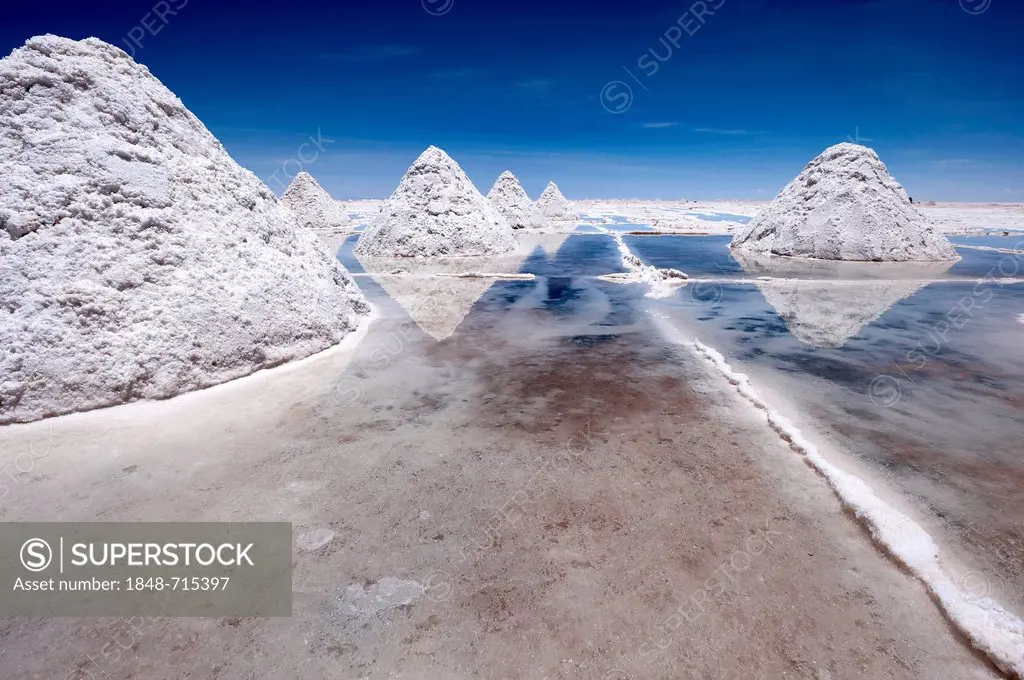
(539, 465)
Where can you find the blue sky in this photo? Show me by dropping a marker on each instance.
(740, 101)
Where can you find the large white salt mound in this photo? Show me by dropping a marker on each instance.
(510, 199)
(312, 206)
(436, 211)
(845, 206)
(137, 259)
(554, 206)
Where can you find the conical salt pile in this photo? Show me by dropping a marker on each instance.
(511, 201)
(845, 206)
(312, 206)
(436, 211)
(554, 206)
(137, 259)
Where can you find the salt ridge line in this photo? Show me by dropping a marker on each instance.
(991, 629)
(662, 282)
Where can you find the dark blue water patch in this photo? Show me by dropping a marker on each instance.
(983, 263)
(695, 255)
(591, 340)
(1015, 241)
(721, 217)
(347, 257)
(560, 308)
(580, 255)
(627, 303)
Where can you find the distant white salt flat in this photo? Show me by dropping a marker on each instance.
(970, 218)
(684, 216)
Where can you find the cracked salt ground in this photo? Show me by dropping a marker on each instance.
(557, 477)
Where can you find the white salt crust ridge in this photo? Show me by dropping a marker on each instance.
(313, 207)
(554, 206)
(845, 206)
(137, 259)
(436, 211)
(992, 630)
(510, 199)
(661, 282)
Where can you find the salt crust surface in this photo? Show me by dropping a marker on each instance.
(137, 259)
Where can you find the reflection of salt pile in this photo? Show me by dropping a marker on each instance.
(510, 199)
(137, 259)
(312, 206)
(436, 211)
(554, 206)
(438, 293)
(844, 206)
(830, 308)
(549, 242)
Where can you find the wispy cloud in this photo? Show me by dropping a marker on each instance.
(660, 125)
(372, 53)
(532, 92)
(727, 131)
(537, 86)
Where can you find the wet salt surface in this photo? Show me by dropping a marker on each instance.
(695, 255)
(928, 396)
(578, 255)
(553, 476)
(1015, 241)
(710, 256)
(924, 398)
(721, 217)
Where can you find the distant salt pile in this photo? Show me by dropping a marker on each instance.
(137, 259)
(554, 206)
(510, 199)
(845, 206)
(312, 206)
(436, 211)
